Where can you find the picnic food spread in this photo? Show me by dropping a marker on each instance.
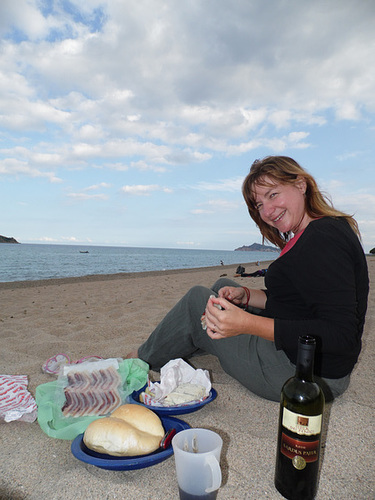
(130, 430)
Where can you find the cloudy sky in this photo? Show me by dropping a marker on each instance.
(134, 122)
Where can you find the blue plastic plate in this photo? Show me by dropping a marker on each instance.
(80, 451)
(173, 410)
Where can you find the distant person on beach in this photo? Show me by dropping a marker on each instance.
(317, 286)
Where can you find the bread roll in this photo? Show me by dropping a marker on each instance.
(130, 430)
(141, 418)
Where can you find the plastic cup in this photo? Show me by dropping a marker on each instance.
(197, 458)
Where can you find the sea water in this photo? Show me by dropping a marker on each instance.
(24, 262)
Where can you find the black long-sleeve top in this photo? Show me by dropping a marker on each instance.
(320, 288)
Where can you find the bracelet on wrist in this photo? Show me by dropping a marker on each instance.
(247, 291)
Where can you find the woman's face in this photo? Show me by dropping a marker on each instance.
(282, 205)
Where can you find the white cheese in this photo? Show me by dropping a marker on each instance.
(185, 393)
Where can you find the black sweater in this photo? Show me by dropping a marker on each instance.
(320, 288)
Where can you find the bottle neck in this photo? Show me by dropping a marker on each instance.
(305, 359)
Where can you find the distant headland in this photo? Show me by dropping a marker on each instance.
(256, 247)
(4, 239)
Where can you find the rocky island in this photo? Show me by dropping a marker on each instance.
(5, 239)
(256, 247)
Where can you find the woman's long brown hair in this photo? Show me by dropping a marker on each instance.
(285, 170)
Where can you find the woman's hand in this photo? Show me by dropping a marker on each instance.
(234, 294)
(231, 321)
(228, 321)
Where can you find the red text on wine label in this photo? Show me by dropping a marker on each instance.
(308, 450)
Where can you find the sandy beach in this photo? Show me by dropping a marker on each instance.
(109, 316)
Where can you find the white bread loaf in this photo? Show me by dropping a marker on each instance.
(130, 430)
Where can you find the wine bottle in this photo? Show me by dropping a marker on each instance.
(300, 426)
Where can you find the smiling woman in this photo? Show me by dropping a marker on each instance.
(282, 198)
(318, 286)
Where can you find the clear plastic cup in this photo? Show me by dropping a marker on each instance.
(197, 458)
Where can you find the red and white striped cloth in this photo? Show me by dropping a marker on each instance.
(16, 403)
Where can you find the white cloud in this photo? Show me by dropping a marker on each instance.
(144, 166)
(348, 111)
(90, 133)
(134, 118)
(16, 168)
(223, 204)
(143, 190)
(201, 211)
(63, 239)
(230, 185)
(348, 155)
(94, 187)
(25, 16)
(187, 243)
(216, 206)
(86, 196)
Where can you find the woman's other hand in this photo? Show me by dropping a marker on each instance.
(231, 321)
(234, 294)
(226, 322)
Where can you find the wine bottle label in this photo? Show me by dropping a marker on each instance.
(300, 452)
(304, 425)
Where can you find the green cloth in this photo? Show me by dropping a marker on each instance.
(50, 398)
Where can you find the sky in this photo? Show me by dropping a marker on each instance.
(134, 122)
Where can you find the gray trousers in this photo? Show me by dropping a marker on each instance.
(251, 360)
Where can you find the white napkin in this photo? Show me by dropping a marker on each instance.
(175, 373)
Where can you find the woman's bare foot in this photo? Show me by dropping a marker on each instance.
(132, 354)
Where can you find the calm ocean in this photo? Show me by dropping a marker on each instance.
(26, 262)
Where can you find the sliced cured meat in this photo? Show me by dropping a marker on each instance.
(92, 392)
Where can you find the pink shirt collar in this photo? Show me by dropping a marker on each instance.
(291, 243)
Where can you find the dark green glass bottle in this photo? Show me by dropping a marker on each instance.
(300, 427)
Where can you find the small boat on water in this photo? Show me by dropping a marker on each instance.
(83, 251)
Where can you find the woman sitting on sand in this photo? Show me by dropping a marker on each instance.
(317, 286)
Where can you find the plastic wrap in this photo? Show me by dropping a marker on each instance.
(16, 403)
(178, 381)
(50, 399)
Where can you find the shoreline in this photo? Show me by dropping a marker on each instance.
(6, 285)
(89, 278)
